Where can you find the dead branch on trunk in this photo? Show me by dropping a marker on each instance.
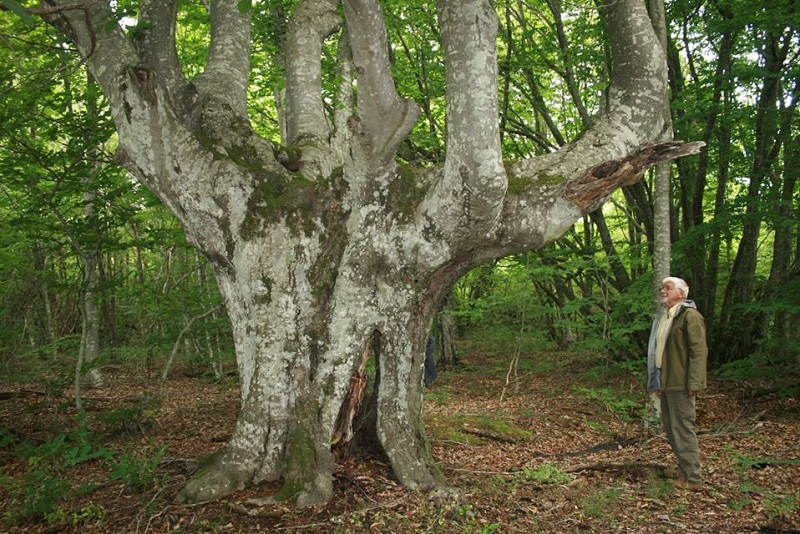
(590, 190)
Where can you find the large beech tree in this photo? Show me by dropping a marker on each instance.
(328, 251)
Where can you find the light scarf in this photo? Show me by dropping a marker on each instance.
(661, 334)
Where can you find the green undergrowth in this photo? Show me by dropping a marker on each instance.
(48, 481)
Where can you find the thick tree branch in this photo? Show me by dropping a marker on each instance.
(547, 204)
(386, 118)
(345, 97)
(312, 22)
(474, 167)
(92, 27)
(639, 62)
(227, 72)
(156, 42)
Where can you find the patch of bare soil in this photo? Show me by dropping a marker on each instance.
(540, 450)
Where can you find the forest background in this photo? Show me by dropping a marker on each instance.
(97, 275)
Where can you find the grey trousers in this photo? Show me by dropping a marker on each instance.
(678, 418)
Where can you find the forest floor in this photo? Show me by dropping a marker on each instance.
(554, 444)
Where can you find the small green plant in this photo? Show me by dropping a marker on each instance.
(779, 507)
(596, 426)
(90, 512)
(547, 473)
(33, 495)
(656, 487)
(439, 397)
(138, 469)
(748, 487)
(744, 462)
(739, 504)
(500, 480)
(7, 438)
(600, 502)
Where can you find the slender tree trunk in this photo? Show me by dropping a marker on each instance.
(715, 241)
(446, 334)
(783, 206)
(662, 250)
(90, 310)
(40, 262)
(91, 257)
(621, 279)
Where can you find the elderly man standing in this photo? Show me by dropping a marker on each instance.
(676, 362)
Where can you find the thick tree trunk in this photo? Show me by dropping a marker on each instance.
(299, 349)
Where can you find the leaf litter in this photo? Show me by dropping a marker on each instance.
(554, 453)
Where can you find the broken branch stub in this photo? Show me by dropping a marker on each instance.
(590, 190)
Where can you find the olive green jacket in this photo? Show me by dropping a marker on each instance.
(685, 357)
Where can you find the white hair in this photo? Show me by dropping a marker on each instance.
(679, 283)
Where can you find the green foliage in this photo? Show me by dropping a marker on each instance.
(739, 504)
(439, 398)
(18, 10)
(657, 487)
(620, 406)
(45, 488)
(547, 473)
(44, 485)
(781, 507)
(91, 512)
(535, 293)
(35, 495)
(63, 197)
(600, 502)
(745, 462)
(780, 372)
(778, 505)
(138, 469)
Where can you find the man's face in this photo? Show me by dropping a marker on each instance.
(669, 295)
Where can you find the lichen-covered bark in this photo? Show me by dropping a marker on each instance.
(474, 164)
(325, 246)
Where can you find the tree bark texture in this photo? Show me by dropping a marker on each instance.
(328, 252)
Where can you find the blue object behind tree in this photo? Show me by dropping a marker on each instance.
(430, 372)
